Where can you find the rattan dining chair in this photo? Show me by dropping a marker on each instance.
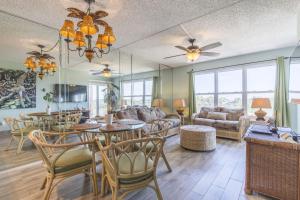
(63, 160)
(19, 131)
(160, 128)
(127, 168)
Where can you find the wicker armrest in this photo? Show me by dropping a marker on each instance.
(173, 115)
(244, 123)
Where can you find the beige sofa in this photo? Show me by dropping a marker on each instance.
(148, 115)
(229, 123)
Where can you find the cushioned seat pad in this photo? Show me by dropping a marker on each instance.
(73, 159)
(204, 121)
(138, 165)
(226, 124)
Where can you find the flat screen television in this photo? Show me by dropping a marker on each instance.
(70, 93)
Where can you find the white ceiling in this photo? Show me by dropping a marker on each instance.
(149, 29)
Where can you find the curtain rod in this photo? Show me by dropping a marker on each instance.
(192, 71)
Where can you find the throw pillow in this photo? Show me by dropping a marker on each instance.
(216, 115)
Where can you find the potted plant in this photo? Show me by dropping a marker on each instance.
(111, 97)
(48, 97)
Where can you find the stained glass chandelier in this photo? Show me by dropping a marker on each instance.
(88, 25)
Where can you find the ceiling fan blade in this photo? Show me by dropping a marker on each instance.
(97, 73)
(182, 48)
(211, 46)
(174, 56)
(209, 54)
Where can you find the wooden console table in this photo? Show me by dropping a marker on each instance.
(272, 166)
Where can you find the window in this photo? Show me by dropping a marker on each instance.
(236, 87)
(261, 83)
(137, 92)
(97, 106)
(230, 89)
(294, 84)
(204, 90)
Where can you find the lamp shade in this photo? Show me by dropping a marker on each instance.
(295, 101)
(88, 27)
(100, 42)
(179, 103)
(79, 40)
(158, 103)
(108, 37)
(261, 103)
(67, 29)
(192, 56)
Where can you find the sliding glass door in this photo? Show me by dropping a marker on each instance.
(97, 106)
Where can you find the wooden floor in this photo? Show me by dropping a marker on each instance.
(196, 175)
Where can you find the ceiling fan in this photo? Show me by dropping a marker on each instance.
(106, 72)
(193, 51)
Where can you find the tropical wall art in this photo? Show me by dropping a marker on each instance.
(17, 89)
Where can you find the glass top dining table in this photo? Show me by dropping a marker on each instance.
(117, 127)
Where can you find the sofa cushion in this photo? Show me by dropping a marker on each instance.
(159, 113)
(174, 122)
(228, 125)
(233, 114)
(217, 115)
(146, 114)
(129, 113)
(204, 111)
(204, 121)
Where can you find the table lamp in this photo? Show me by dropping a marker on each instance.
(179, 104)
(261, 103)
(158, 103)
(295, 101)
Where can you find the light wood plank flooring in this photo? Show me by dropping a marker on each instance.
(196, 175)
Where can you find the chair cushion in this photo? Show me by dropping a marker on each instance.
(216, 115)
(139, 164)
(203, 121)
(73, 159)
(26, 131)
(61, 127)
(228, 125)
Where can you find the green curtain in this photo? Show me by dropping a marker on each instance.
(281, 95)
(192, 97)
(155, 88)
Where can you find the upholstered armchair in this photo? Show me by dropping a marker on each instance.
(19, 131)
(128, 166)
(63, 160)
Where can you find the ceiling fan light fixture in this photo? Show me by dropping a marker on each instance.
(67, 30)
(88, 26)
(192, 56)
(106, 74)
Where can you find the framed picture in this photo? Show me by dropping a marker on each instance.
(17, 89)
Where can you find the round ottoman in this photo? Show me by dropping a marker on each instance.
(198, 137)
